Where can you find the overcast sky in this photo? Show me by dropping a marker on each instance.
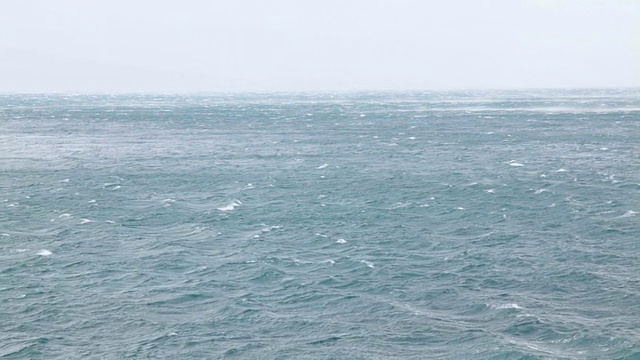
(164, 46)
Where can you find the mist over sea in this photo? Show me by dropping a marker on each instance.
(409, 225)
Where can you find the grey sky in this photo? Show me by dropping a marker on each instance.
(293, 45)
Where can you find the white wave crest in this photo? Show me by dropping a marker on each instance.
(231, 206)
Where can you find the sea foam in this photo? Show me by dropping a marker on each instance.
(230, 206)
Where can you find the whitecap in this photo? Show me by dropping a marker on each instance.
(64, 216)
(515, 164)
(540, 191)
(490, 191)
(269, 228)
(629, 213)
(561, 170)
(323, 235)
(369, 263)
(298, 261)
(85, 221)
(508, 306)
(341, 241)
(322, 166)
(248, 186)
(399, 205)
(230, 206)
(328, 262)
(167, 202)
(44, 252)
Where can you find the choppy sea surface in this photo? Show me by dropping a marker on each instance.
(418, 225)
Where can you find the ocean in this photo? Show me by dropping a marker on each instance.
(406, 225)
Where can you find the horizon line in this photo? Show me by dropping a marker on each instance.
(324, 91)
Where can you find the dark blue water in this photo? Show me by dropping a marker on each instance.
(450, 225)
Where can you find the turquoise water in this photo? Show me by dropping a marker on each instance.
(441, 225)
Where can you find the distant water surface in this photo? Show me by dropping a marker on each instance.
(439, 225)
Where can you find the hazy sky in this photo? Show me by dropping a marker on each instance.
(291, 45)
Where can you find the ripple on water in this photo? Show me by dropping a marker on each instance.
(458, 225)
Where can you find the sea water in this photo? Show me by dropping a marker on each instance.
(415, 225)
